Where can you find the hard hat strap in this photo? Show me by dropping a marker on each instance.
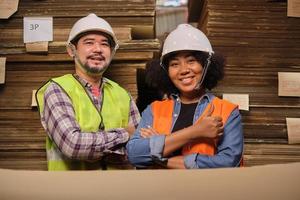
(208, 61)
(163, 66)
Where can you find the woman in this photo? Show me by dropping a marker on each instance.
(193, 128)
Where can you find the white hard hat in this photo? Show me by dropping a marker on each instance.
(92, 23)
(186, 37)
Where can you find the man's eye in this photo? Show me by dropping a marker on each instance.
(89, 43)
(105, 44)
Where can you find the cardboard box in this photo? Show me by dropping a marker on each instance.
(248, 183)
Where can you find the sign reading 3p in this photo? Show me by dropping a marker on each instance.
(38, 29)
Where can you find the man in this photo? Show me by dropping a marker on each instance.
(88, 118)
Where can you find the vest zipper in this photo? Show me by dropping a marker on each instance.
(101, 125)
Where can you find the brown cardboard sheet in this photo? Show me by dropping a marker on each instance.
(7, 8)
(293, 8)
(260, 182)
(2, 69)
(293, 130)
(37, 47)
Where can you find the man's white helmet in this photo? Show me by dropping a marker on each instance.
(92, 23)
(186, 37)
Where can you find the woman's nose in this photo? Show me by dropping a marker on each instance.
(184, 68)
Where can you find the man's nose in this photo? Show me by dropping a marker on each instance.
(97, 47)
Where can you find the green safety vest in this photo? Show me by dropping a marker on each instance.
(115, 113)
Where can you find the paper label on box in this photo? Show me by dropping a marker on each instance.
(7, 8)
(293, 8)
(36, 47)
(38, 29)
(293, 130)
(242, 100)
(2, 69)
(33, 99)
(289, 84)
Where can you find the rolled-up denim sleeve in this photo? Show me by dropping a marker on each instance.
(157, 144)
(143, 152)
(229, 150)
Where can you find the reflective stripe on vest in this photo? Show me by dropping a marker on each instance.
(162, 122)
(115, 113)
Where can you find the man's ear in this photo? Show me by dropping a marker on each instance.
(71, 50)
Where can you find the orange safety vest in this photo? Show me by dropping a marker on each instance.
(162, 122)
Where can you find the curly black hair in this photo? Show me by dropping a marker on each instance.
(149, 84)
(215, 71)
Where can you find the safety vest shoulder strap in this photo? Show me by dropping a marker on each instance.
(222, 108)
(162, 115)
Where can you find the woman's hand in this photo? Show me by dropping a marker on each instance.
(176, 162)
(148, 132)
(130, 129)
(209, 127)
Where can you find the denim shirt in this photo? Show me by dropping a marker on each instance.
(144, 152)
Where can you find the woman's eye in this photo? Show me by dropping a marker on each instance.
(173, 64)
(191, 60)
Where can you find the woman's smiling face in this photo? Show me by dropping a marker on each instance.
(185, 72)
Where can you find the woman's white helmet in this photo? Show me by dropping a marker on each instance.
(186, 37)
(92, 23)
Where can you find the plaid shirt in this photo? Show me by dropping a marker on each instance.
(58, 119)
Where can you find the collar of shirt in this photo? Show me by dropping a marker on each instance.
(207, 96)
(202, 103)
(87, 85)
